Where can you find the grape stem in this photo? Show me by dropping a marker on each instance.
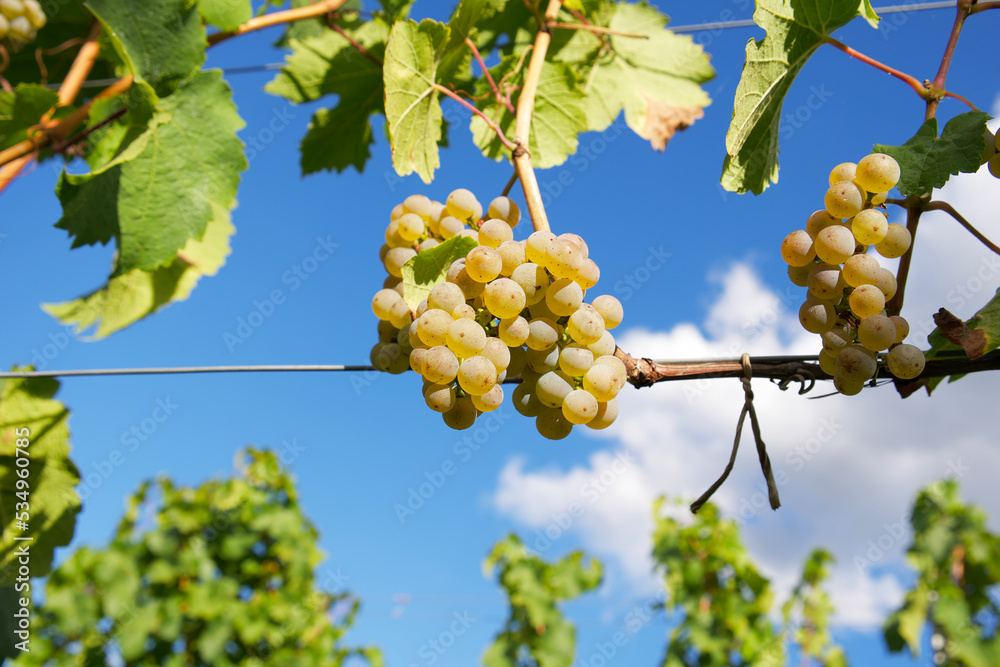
(489, 77)
(486, 119)
(589, 27)
(277, 18)
(950, 210)
(525, 111)
(353, 42)
(913, 210)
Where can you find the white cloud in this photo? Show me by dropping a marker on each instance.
(848, 467)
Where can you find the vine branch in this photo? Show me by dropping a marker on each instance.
(525, 111)
(913, 211)
(950, 210)
(277, 18)
(918, 87)
(486, 119)
(963, 8)
(589, 27)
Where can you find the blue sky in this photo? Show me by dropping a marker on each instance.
(358, 443)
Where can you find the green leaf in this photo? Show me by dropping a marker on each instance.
(52, 502)
(795, 29)
(555, 126)
(112, 139)
(656, 81)
(329, 65)
(926, 161)
(467, 14)
(430, 267)
(166, 184)
(21, 109)
(411, 101)
(225, 14)
(130, 296)
(986, 320)
(161, 41)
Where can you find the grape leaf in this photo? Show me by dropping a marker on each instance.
(130, 296)
(225, 14)
(411, 101)
(795, 29)
(984, 324)
(555, 125)
(927, 161)
(430, 267)
(328, 64)
(467, 14)
(161, 41)
(656, 81)
(165, 184)
(52, 502)
(22, 108)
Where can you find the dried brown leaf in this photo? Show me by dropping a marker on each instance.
(973, 341)
(664, 120)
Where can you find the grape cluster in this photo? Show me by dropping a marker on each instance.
(20, 20)
(848, 288)
(991, 154)
(508, 309)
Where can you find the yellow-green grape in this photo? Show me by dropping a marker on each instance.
(396, 258)
(511, 256)
(427, 243)
(542, 361)
(817, 316)
(35, 14)
(396, 361)
(586, 325)
(879, 198)
(856, 363)
(465, 338)
(445, 296)
(470, 233)
(536, 249)
(887, 283)
(462, 416)
(835, 340)
(615, 364)
(834, 244)
(517, 363)
(11, 9)
(410, 226)
(866, 301)
(386, 332)
(563, 297)
(588, 275)
(477, 375)
(819, 221)
(432, 327)
(460, 276)
(828, 362)
(844, 199)
(877, 172)
(607, 413)
(990, 148)
(847, 386)
(825, 282)
(877, 333)
(604, 346)
(574, 361)
(4, 26)
(552, 425)
(483, 264)
(602, 381)
(394, 214)
(418, 204)
(993, 165)
(896, 241)
(504, 298)
(493, 232)
(610, 309)
(541, 309)
(564, 258)
(799, 275)
(417, 358)
(579, 407)
(463, 205)
(552, 388)
(578, 241)
(489, 401)
(497, 352)
(450, 226)
(434, 218)
(440, 365)
(505, 209)
(906, 361)
(902, 328)
(542, 333)
(440, 397)
(464, 311)
(869, 226)
(797, 249)
(391, 282)
(400, 315)
(526, 401)
(383, 302)
(533, 280)
(861, 270)
(414, 335)
(513, 331)
(843, 172)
